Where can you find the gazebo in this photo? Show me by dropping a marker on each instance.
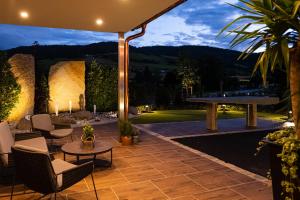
(115, 16)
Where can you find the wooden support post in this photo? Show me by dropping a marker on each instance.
(251, 116)
(121, 78)
(211, 117)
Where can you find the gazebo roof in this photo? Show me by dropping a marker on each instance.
(93, 15)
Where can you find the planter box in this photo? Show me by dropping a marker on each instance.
(277, 175)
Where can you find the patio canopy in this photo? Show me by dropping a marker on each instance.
(116, 16)
(94, 15)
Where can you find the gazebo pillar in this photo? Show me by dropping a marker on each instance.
(123, 112)
(123, 91)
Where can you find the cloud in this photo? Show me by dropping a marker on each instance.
(175, 31)
(196, 22)
(233, 16)
(12, 36)
(221, 2)
(228, 1)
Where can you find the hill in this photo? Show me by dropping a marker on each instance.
(156, 58)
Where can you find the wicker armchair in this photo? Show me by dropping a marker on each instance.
(43, 123)
(7, 141)
(49, 176)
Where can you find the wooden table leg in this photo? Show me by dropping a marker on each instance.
(211, 117)
(111, 157)
(251, 116)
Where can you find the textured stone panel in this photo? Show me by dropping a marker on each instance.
(23, 68)
(66, 83)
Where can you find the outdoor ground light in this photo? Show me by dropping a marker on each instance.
(290, 114)
(95, 109)
(223, 108)
(56, 109)
(70, 106)
(147, 108)
(288, 124)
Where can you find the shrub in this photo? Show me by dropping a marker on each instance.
(101, 87)
(9, 88)
(42, 96)
(125, 128)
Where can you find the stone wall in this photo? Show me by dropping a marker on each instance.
(23, 68)
(66, 83)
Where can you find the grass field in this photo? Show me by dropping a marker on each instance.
(192, 115)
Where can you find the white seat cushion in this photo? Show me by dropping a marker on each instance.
(35, 144)
(60, 133)
(60, 166)
(6, 141)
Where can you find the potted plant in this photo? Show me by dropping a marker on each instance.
(88, 137)
(284, 148)
(273, 25)
(126, 132)
(136, 136)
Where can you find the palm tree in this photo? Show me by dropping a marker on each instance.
(272, 25)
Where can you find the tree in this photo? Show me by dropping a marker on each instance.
(101, 87)
(273, 25)
(42, 96)
(9, 88)
(188, 75)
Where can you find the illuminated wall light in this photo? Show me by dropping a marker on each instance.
(24, 14)
(56, 109)
(122, 106)
(70, 106)
(95, 109)
(99, 22)
(288, 125)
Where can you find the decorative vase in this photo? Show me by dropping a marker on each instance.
(136, 139)
(276, 171)
(88, 144)
(126, 140)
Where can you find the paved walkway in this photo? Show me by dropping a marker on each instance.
(157, 170)
(175, 129)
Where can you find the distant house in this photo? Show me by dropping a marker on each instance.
(242, 80)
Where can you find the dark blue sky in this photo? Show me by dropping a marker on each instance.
(196, 22)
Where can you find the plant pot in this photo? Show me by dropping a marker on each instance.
(126, 140)
(136, 139)
(276, 174)
(88, 144)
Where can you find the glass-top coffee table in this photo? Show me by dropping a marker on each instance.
(76, 149)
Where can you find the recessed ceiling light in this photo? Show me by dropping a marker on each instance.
(24, 14)
(99, 22)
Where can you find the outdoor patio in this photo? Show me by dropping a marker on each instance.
(158, 169)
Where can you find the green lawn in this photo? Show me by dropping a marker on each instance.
(192, 115)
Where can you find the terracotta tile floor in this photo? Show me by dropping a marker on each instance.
(156, 170)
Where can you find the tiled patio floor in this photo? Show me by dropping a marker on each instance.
(156, 170)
